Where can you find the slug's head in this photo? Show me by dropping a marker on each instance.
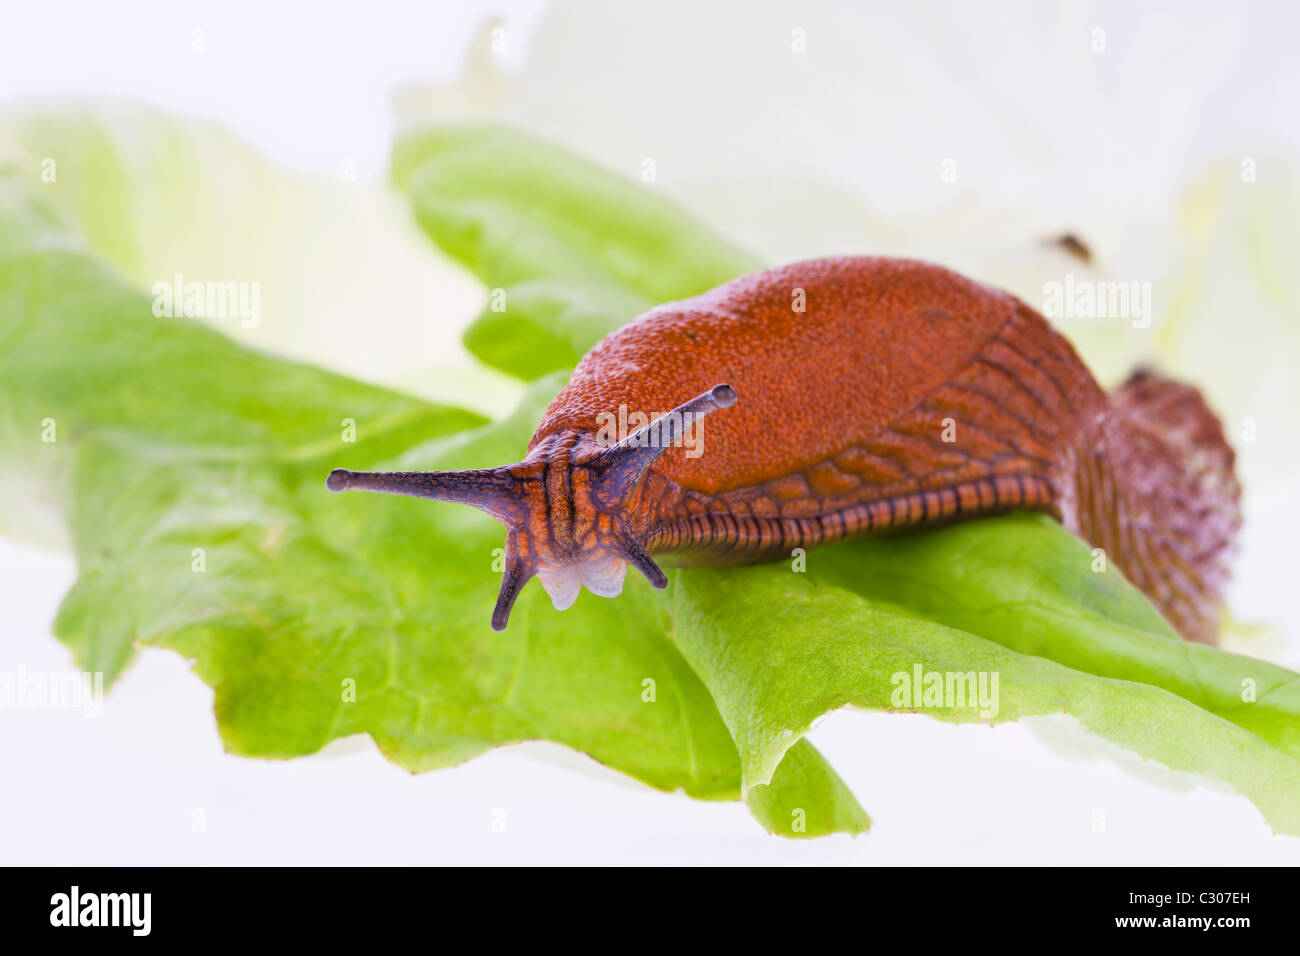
(565, 507)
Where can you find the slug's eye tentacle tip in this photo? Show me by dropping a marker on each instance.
(724, 396)
(340, 479)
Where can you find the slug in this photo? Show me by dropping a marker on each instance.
(870, 395)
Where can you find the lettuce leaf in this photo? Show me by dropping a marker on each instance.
(571, 251)
(189, 470)
(156, 196)
(1021, 583)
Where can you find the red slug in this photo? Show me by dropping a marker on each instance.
(869, 395)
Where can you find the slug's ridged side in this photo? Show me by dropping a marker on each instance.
(992, 437)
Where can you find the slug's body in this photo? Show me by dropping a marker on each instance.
(873, 395)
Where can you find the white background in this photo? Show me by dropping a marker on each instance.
(313, 85)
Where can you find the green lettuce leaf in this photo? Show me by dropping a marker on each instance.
(156, 196)
(1021, 582)
(779, 649)
(190, 473)
(571, 251)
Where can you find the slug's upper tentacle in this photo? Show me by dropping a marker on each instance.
(624, 465)
(492, 490)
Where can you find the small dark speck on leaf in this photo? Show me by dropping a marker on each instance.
(1073, 245)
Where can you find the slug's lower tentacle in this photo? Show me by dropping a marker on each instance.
(513, 578)
(641, 560)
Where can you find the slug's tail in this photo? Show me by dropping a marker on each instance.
(1175, 534)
